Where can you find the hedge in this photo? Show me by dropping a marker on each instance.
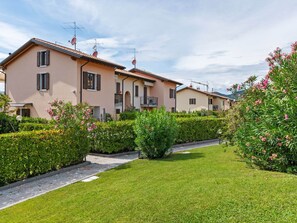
(8, 123)
(198, 129)
(114, 137)
(26, 154)
(34, 126)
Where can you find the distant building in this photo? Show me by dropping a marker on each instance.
(190, 99)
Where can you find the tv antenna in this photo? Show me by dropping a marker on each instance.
(75, 28)
(196, 82)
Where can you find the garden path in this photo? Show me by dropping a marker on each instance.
(35, 186)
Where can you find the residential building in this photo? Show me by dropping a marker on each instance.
(164, 90)
(40, 71)
(190, 99)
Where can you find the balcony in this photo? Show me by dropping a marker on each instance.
(149, 102)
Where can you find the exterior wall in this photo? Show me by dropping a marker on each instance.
(22, 79)
(219, 102)
(161, 91)
(183, 97)
(169, 103)
(103, 98)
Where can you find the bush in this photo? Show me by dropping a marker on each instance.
(198, 129)
(267, 134)
(128, 115)
(155, 132)
(114, 137)
(8, 123)
(28, 154)
(34, 120)
(34, 126)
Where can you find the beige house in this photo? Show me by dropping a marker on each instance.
(163, 91)
(41, 71)
(190, 99)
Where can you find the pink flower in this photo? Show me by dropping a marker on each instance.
(273, 156)
(263, 139)
(285, 91)
(286, 117)
(259, 101)
(82, 122)
(279, 144)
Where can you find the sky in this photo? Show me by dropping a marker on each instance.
(209, 41)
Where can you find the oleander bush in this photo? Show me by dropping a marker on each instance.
(113, 137)
(26, 154)
(34, 126)
(266, 130)
(197, 129)
(155, 132)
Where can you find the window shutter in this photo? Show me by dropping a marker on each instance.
(47, 81)
(85, 80)
(47, 57)
(98, 82)
(38, 59)
(38, 82)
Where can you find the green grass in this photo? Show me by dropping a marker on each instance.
(208, 185)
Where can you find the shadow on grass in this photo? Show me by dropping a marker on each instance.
(174, 157)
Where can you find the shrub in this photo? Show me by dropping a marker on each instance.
(128, 115)
(8, 123)
(155, 132)
(267, 134)
(34, 120)
(198, 129)
(27, 154)
(34, 126)
(114, 137)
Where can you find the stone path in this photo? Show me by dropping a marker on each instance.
(37, 186)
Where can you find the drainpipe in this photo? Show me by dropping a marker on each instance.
(175, 99)
(123, 92)
(5, 87)
(81, 80)
(133, 92)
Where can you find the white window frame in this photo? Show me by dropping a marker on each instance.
(95, 81)
(40, 58)
(42, 88)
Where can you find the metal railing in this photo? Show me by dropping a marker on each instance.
(149, 101)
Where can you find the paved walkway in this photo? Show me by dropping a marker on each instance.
(42, 185)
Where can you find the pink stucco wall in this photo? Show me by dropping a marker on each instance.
(22, 79)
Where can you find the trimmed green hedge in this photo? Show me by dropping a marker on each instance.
(34, 126)
(114, 137)
(34, 120)
(26, 154)
(198, 129)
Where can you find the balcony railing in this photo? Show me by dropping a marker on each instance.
(151, 102)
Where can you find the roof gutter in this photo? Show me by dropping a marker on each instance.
(81, 81)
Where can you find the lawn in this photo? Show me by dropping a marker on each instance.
(209, 184)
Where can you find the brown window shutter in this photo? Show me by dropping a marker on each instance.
(98, 82)
(47, 81)
(47, 57)
(38, 59)
(85, 80)
(38, 82)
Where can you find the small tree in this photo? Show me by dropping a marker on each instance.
(4, 103)
(155, 132)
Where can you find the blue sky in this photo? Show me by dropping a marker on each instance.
(214, 41)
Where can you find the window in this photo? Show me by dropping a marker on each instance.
(173, 109)
(43, 58)
(25, 112)
(136, 90)
(118, 111)
(118, 88)
(210, 101)
(171, 93)
(43, 82)
(223, 103)
(192, 101)
(91, 81)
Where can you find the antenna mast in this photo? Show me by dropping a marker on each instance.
(196, 82)
(74, 27)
